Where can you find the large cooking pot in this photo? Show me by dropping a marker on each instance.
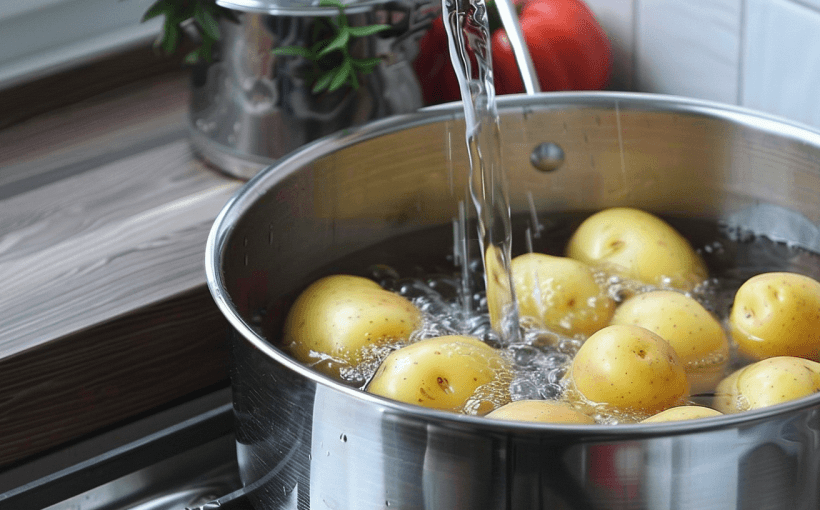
(306, 441)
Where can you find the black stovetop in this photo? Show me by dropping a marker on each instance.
(186, 464)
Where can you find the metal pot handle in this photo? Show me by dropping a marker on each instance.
(509, 18)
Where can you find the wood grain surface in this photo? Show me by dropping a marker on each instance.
(104, 215)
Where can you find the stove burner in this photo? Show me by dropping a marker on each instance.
(187, 465)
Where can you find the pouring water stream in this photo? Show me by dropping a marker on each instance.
(468, 34)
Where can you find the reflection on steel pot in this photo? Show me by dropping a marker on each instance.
(250, 107)
(306, 441)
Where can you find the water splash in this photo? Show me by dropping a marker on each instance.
(469, 42)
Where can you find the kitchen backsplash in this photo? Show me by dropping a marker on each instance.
(761, 54)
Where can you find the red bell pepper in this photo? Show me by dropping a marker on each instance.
(433, 67)
(569, 49)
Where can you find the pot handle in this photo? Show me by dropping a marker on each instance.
(509, 18)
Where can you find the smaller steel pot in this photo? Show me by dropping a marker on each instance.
(249, 107)
(305, 441)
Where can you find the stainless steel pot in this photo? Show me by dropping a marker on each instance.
(250, 107)
(305, 441)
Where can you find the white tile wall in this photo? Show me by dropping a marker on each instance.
(616, 17)
(762, 54)
(688, 48)
(781, 74)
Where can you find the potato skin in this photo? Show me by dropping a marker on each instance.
(777, 314)
(637, 245)
(541, 411)
(766, 383)
(499, 292)
(628, 368)
(561, 294)
(337, 316)
(681, 413)
(444, 373)
(696, 335)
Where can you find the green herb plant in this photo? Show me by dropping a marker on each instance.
(202, 14)
(333, 64)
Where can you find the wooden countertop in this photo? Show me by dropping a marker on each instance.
(104, 313)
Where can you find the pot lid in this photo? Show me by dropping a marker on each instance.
(300, 7)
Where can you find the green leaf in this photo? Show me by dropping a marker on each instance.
(342, 75)
(316, 47)
(366, 65)
(322, 83)
(354, 82)
(368, 30)
(206, 21)
(294, 51)
(338, 42)
(170, 38)
(205, 51)
(160, 7)
(193, 57)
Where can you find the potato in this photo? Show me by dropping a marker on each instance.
(766, 383)
(777, 314)
(499, 295)
(453, 373)
(681, 413)
(337, 317)
(628, 369)
(695, 334)
(541, 411)
(560, 294)
(639, 246)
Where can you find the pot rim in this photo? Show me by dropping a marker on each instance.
(297, 9)
(270, 176)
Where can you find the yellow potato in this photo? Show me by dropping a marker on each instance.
(499, 294)
(681, 413)
(628, 368)
(694, 333)
(766, 383)
(639, 246)
(777, 314)
(560, 293)
(542, 411)
(339, 316)
(454, 373)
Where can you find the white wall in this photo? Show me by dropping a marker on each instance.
(762, 54)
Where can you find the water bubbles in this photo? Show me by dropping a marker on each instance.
(524, 355)
(556, 375)
(737, 234)
(715, 248)
(525, 389)
(447, 287)
(476, 266)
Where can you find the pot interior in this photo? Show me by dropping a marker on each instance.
(711, 170)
